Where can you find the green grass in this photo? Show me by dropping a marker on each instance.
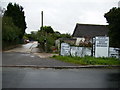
(87, 60)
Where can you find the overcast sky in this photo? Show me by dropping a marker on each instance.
(63, 15)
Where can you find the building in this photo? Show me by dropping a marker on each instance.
(70, 41)
(85, 32)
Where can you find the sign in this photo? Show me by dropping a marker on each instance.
(101, 46)
(114, 52)
(74, 51)
(102, 41)
(65, 49)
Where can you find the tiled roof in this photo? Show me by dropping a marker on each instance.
(90, 30)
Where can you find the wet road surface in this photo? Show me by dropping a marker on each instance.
(26, 48)
(51, 78)
(27, 55)
(60, 78)
(16, 58)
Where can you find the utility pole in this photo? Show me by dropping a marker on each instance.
(41, 19)
(45, 42)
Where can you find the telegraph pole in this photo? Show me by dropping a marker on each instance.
(41, 19)
(45, 42)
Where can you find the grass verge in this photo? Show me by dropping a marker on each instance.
(87, 60)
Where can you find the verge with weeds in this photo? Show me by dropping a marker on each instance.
(87, 60)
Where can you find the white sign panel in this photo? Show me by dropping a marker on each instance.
(101, 46)
(113, 52)
(65, 49)
(73, 51)
(102, 41)
(80, 51)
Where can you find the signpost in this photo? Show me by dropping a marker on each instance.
(65, 49)
(101, 46)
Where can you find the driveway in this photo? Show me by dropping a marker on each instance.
(28, 54)
(20, 59)
(26, 48)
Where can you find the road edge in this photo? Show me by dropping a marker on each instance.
(64, 67)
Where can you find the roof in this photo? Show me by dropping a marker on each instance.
(90, 30)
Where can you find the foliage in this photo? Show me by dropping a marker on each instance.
(25, 37)
(47, 29)
(17, 14)
(13, 25)
(46, 36)
(87, 60)
(29, 36)
(67, 35)
(85, 45)
(113, 18)
(10, 32)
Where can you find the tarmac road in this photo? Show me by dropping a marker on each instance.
(13, 77)
(27, 55)
(60, 78)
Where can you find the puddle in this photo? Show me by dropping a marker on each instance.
(25, 54)
(32, 56)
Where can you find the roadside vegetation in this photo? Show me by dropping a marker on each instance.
(87, 60)
(46, 37)
(13, 30)
(13, 26)
(113, 19)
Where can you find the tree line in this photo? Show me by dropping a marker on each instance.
(13, 25)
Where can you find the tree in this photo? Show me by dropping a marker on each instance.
(66, 35)
(17, 14)
(113, 18)
(10, 32)
(47, 29)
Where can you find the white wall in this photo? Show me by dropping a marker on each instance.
(67, 50)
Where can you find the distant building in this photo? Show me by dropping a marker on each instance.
(70, 41)
(85, 32)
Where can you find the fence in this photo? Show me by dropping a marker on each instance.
(80, 51)
(67, 50)
(114, 52)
